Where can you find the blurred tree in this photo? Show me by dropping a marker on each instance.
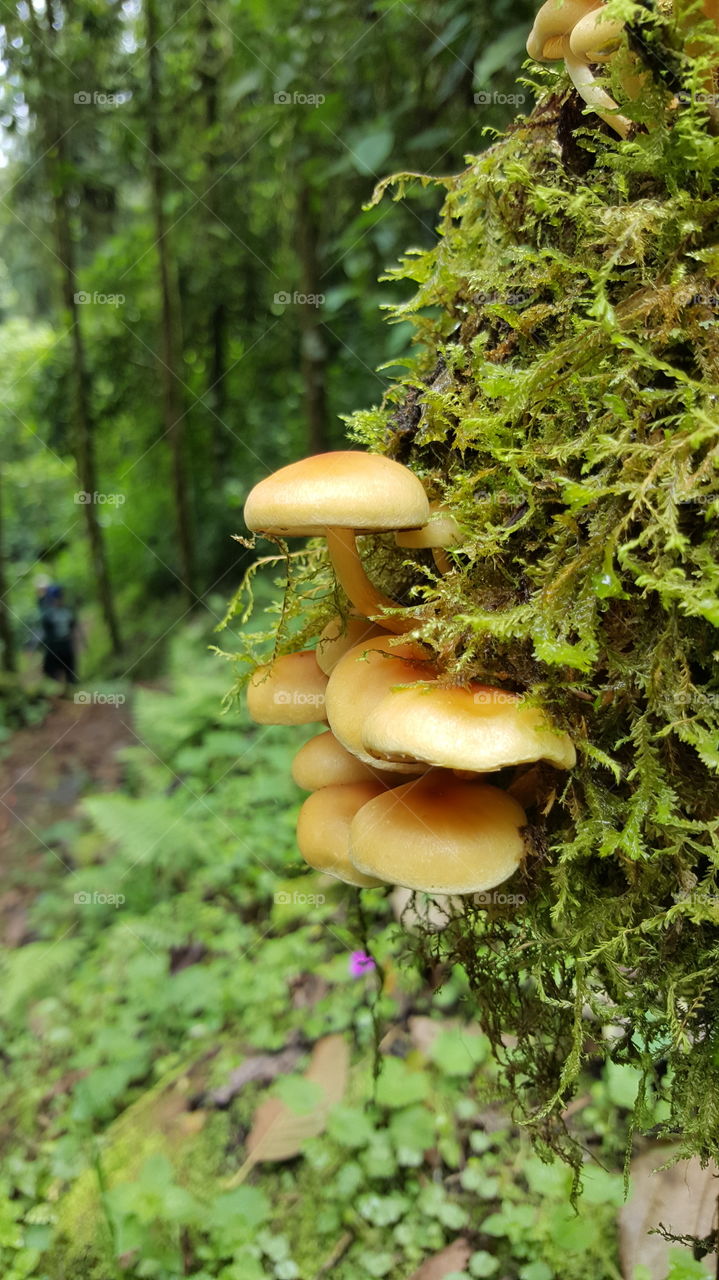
(171, 345)
(267, 129)
(46, 69)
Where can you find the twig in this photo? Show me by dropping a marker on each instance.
(263, 1066)
(338, 1252)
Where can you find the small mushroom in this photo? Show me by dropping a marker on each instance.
(340, 635)
(323, 829)
(339, 495)
(554, 21)
(595, 37)
(324, 762)
(474, 727)
(440, 531)
(439, 835)
(290, 690)
(584, 81)
(361, 679)
(551, 40)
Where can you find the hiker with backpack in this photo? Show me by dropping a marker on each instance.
(58, 636)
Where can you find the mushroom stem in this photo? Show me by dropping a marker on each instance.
(442, 560)
(352, 578)
(595, 97)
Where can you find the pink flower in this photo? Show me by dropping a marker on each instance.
(360, 963)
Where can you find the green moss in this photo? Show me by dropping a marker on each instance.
(563, 402)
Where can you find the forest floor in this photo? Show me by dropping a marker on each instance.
(45, 772)
(164, 1034)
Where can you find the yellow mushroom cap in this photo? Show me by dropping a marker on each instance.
(323, 828)
(290, 690)
(344, 490)
(361, 679)
(441, 530)
(340, 635)
(475, 727)
(595, 37)
(324, 762)
(439, 835)
(553, 23)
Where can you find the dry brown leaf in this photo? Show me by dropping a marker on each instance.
(424, 1031)
(277, 1132)
(683, 1198)
(454, 1258)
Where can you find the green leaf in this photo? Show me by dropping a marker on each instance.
(399, 1086)
(483, 1264)
(370, 151)
(622, 1084)
(413, 1129)
(458, 1052)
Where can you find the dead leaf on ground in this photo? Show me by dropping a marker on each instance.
(454, 1258)
(277, 1132)
(307, 989)
(424, 1031)
(683, 1198)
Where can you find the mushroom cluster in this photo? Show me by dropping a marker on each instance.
(400, 776)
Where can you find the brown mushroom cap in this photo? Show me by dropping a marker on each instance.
(339, 495)
(345, 490)
(340, 635)
(360, 680)
(475, 727)
(323, 829)
(290, 690)
(324, 762)
(553, 23)
(439, 835)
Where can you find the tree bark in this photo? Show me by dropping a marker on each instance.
(53, 130)
(170, 360)
(313, 347)
(217, 319)
(7, 635)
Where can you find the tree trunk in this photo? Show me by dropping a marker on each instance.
(53, 130)
(84, 447)
(217, 320)
(170, 360)
(7, 636)
(313, 348)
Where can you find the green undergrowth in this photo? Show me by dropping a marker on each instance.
(562, 402)
(183, 939)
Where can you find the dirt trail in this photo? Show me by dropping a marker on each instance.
(45, 772)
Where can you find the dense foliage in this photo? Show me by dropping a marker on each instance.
(189, 285)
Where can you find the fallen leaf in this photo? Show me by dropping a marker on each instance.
(683, 1198)
(424, 1031)
(277, 1132)
(454, 1258)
